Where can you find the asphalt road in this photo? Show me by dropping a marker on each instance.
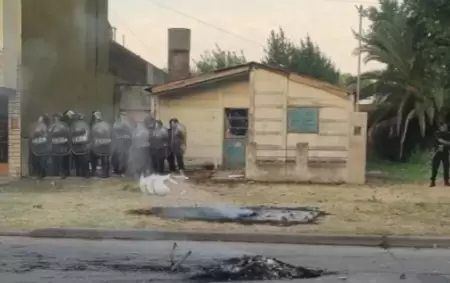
(47, 260)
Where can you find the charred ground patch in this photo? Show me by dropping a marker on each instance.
(181, 267)
(278, 216)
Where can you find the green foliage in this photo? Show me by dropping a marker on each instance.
(416, 170)
(305, 58)
(212, 60)
(412, 86)
(433, 37)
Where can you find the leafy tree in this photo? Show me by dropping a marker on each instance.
(212, 60)
(304, 58)
(408, 88)
(279, 50)
(346, 79)
(433, 34)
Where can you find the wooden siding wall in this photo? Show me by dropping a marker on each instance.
(202, 112)
(268, 114)
(332, 141)
(272, 95)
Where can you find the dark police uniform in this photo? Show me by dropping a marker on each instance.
(440, 156)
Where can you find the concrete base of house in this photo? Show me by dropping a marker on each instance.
(301, 169)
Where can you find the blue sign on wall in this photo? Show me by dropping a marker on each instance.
(303, 120)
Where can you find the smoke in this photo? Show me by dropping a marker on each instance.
(56, 52)
(139, 155)
(38, 54)
(208, 205)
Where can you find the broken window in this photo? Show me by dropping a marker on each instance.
(236, 122)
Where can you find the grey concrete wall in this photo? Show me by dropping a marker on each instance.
(65, 58)
(130, 68)
(131, 73)
(126, 66)
(179, 48)
(155, 75)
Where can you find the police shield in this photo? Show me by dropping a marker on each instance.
(101, 138)
(139, 158)
(122, 135)
(59, 134)
(39, 139)
(141, 136)
(80, 133)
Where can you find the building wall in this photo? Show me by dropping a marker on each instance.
(332, 141)
(11, 69)
(65, 58)
(131, 74)
(201, 110)
(325, 156)
(127, 66)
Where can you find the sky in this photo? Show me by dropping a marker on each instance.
(238, 25)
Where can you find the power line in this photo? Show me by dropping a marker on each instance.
(163, 6)
(205, 23)
(354, 2)
(235, 34)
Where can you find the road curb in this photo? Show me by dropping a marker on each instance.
(305, 239)
(14, 234)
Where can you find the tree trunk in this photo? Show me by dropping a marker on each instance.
(405, 131)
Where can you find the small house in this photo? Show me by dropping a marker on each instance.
(277, 125)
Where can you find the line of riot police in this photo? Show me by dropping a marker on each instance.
(67, 141)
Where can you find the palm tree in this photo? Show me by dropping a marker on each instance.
(404, 88)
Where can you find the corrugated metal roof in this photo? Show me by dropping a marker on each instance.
(239, 69)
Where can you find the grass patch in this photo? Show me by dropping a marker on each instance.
(412, 209)
(416, 170)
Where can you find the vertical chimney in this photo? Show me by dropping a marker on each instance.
(179, 53)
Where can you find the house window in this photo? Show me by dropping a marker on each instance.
(236, 122)
(303, 120)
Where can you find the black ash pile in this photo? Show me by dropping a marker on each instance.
(255, 268)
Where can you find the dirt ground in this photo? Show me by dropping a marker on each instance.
(370, 209)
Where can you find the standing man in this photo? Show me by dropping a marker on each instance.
(158, 141)
(177, 145)
(442, 145)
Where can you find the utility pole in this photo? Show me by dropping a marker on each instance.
(358, 78)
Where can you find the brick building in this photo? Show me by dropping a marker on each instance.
(57, 56)
(10, 95)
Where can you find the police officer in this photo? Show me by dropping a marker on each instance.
(80, 146)
(442, 145)
(139, 152)
(122, 140)
(59, 133)
(40, 145)
(101, 147)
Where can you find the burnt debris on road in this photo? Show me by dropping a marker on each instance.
(181, 266)
(255, 268)
(279, 216)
